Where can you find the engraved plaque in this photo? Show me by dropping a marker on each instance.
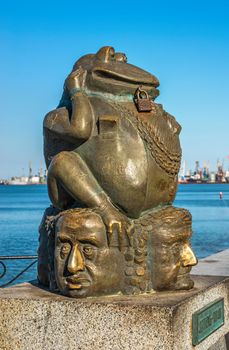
(207, 320)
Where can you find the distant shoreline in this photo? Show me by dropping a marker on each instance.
(22, 185)
(179, 183)
(203, 183)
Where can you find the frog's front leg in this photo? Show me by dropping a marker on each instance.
(79, 123)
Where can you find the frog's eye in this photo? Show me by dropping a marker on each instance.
(121, 57)
(106, 53)
(112, 54)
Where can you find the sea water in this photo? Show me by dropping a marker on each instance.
(21, 210)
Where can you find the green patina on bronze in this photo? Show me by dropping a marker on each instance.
(207, 320)
(113, 156)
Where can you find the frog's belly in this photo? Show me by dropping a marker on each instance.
(120, 166)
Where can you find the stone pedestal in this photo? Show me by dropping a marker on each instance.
(35, 319)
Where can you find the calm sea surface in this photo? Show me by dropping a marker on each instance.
(21, 209)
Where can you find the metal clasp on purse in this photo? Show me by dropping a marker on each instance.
(142, 100)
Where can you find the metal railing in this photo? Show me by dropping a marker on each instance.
(15, 257)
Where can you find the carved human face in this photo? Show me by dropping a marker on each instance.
(187, 260)
(172, 263)
(84, 263)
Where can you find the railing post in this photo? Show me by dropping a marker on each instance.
(15, 257)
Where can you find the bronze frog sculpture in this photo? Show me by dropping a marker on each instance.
(104, 153)
(117, 154)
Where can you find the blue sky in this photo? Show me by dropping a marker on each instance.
(184, 43)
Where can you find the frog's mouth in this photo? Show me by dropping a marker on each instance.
(115, 78)
(124, 75)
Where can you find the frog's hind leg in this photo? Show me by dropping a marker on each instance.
(70, 180)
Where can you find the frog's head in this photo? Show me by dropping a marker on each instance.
(109, 72)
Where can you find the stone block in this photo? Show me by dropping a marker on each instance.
(32, 318)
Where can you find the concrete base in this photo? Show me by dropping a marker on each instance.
(35, 319)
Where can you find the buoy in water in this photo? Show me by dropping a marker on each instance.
(221, 195)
